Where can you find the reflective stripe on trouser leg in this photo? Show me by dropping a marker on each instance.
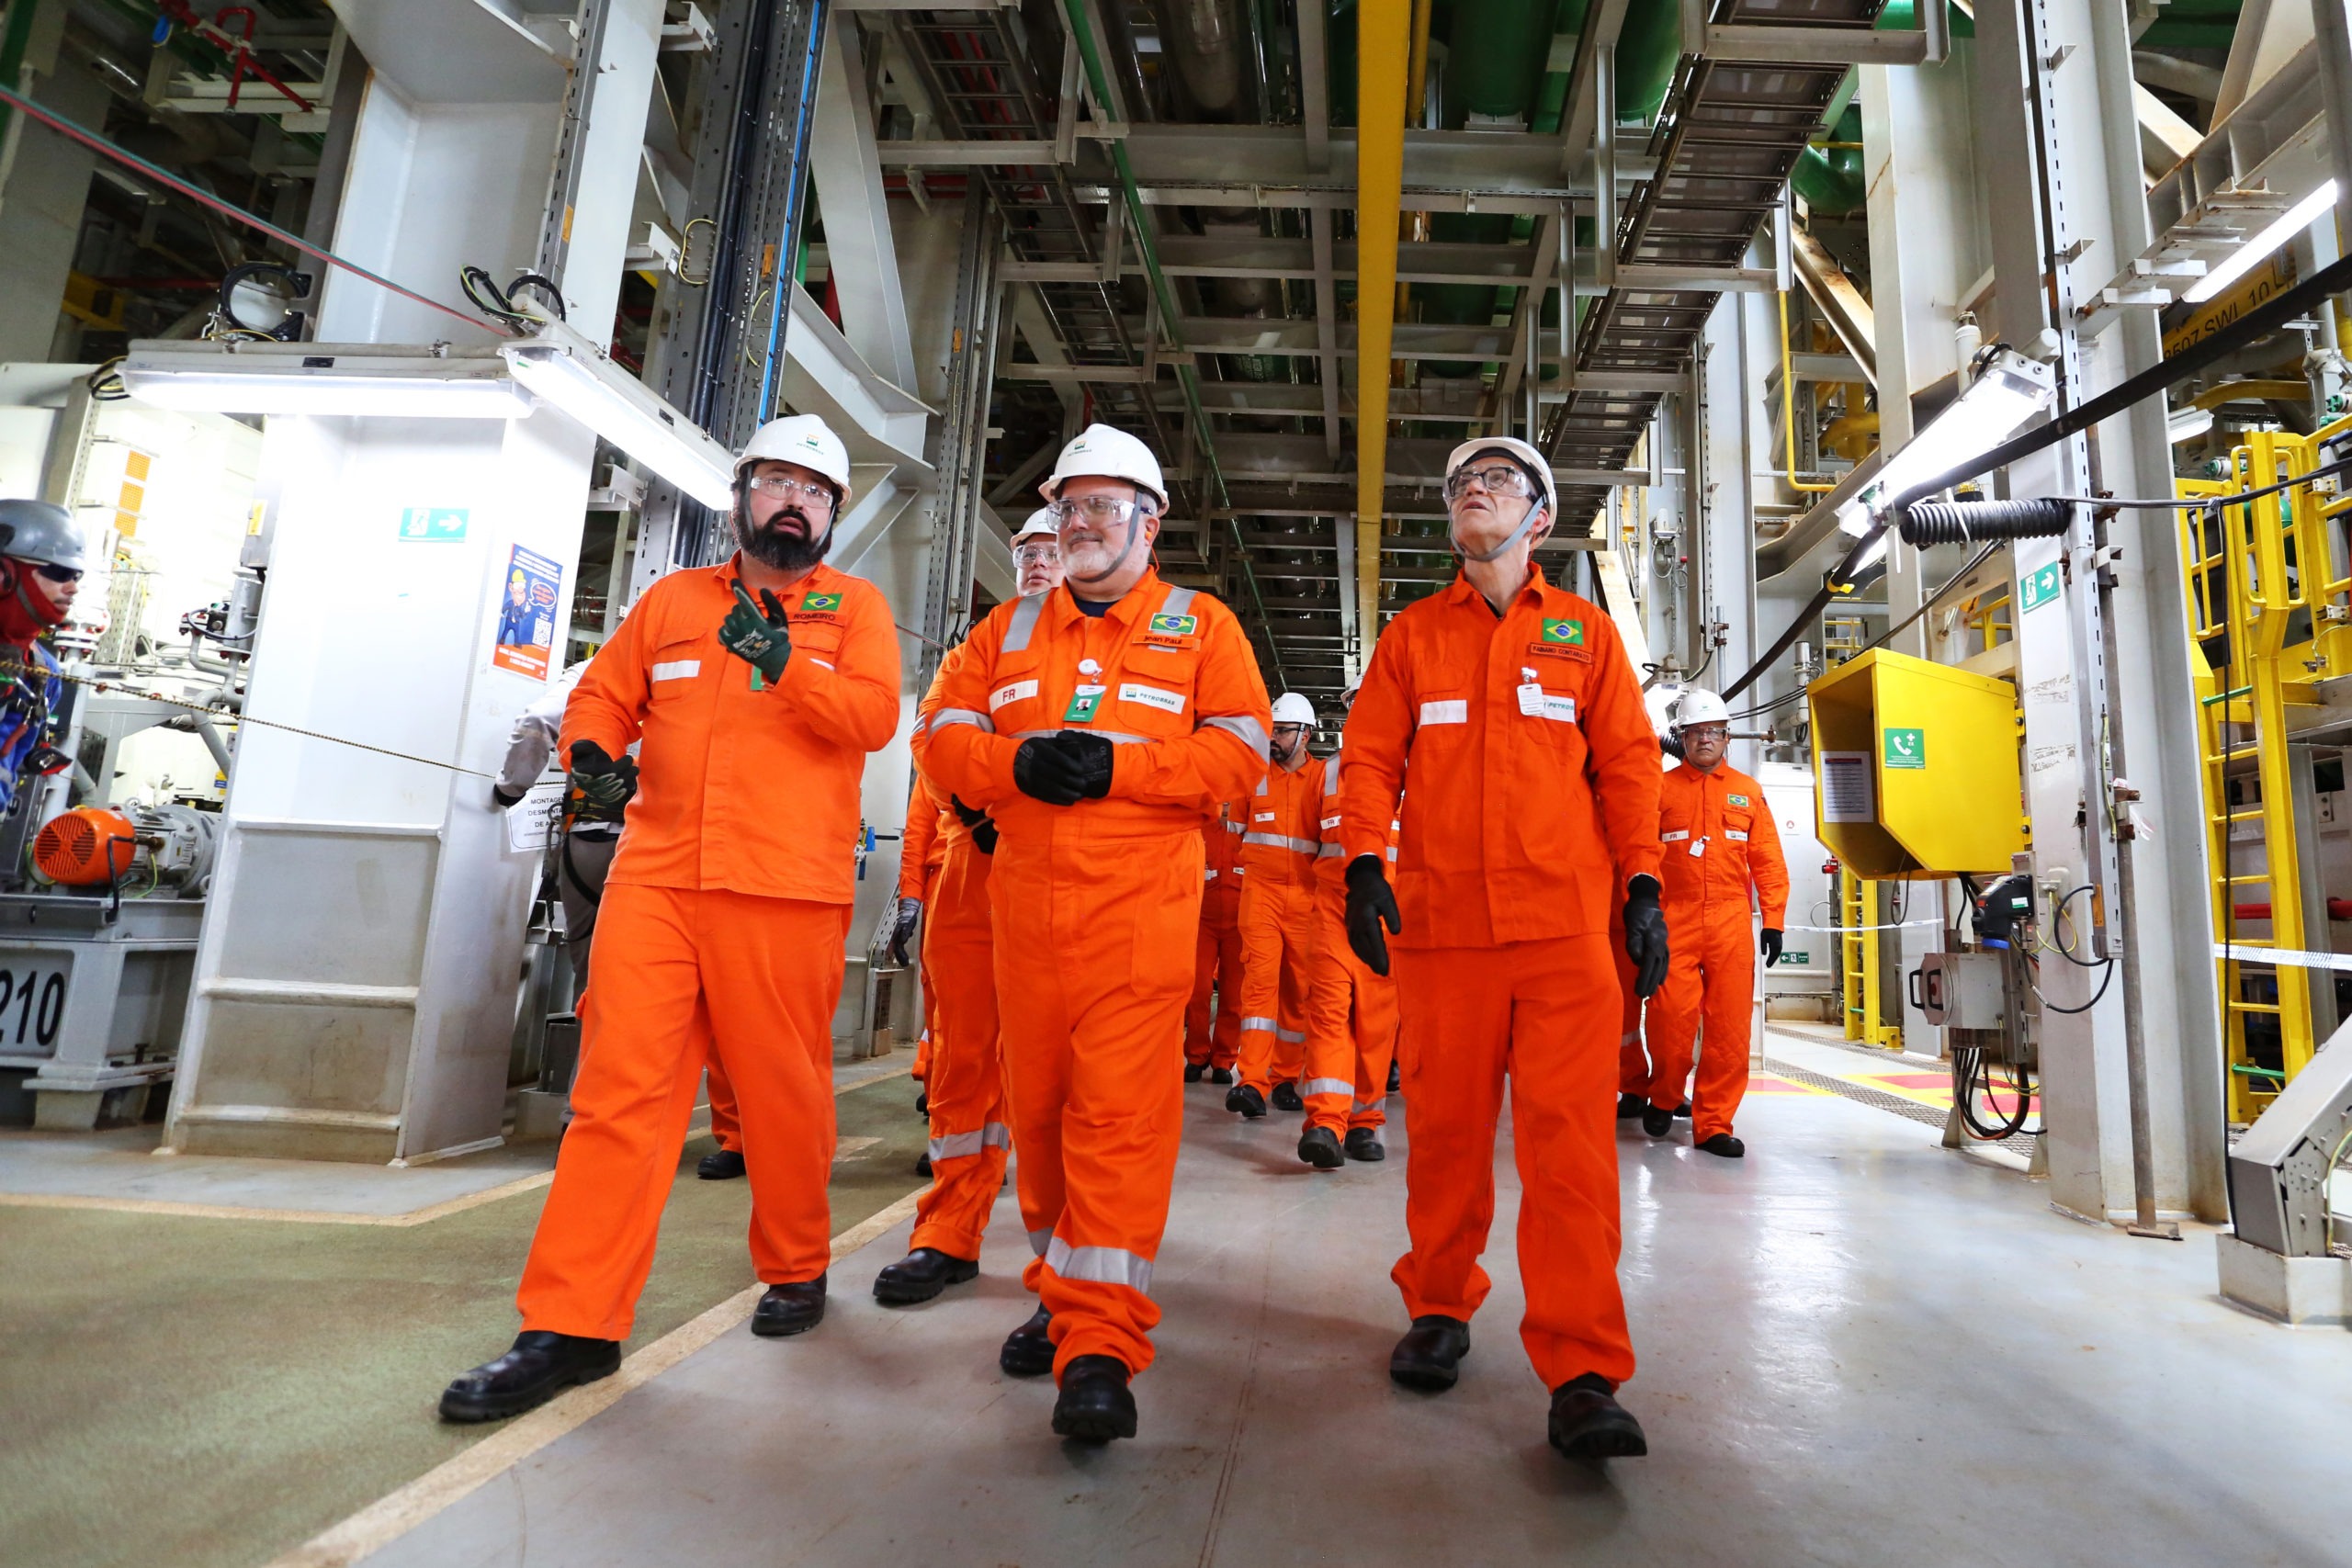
(969, 1131)
(1092, 1030)
(1540, 1006)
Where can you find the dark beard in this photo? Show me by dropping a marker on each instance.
(780, 551)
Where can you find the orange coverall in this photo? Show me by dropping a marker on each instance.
(1530, 778)
(922, 850)
(1717, 841)
(1350, 1011)
(1097, 908)
(721, 931)
(1216, 961)
(1278, 923)
(969, 1133)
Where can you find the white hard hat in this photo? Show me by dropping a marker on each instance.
(1292, 708)
(1538, 466)
(1109, 454)
(1699, 706)
(801, 438)
(1040, 525)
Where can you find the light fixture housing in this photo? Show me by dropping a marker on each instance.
(561, 367)
(404, 380)
(2006, 392)
(2257, 251)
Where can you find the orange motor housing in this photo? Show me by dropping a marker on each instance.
(87, 846)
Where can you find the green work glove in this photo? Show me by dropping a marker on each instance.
(764, 642)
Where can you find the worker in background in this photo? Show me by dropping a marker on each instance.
(1037, 555)
(922, 849)
(1718, 846)
(1278, 854)
(42, 561)
(754, 690)
(1350, 1011)
(1099, 724)
(1505, 712)
(1214, 1047)
(965, 1092)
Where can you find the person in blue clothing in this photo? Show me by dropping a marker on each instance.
(40, 570)
(517, 620)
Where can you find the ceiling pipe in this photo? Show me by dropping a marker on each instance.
(1384, 49)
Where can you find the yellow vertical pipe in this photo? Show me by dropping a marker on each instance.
(1383, 50)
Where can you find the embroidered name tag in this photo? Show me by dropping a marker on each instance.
(1011, 693)
(1151, 697)
(677, 670)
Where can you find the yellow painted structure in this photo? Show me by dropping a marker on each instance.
(1383, 50)
(1939, 747)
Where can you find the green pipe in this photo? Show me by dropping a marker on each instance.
(1830, 178)
(2253, 1072)
(1148, 246)
(1901, 18)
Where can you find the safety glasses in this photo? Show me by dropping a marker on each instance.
(784, 487)
(1037, 555)
(1496, 478)
(58, 573)
(1101, 510)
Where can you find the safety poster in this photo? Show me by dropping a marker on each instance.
(527, 614)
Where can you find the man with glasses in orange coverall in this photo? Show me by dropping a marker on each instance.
(1506, 714)
(1099, 724)
(724, 916)
(1278, 852)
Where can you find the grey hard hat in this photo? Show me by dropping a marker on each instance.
(41, 531)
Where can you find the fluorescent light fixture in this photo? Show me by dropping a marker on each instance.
(405, 380)
(2257, 251)
(2188, 424)
(2010, 390)
(564, 368)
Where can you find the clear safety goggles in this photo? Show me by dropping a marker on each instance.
(1495, 478)
(1038, 554)
(1705, 732)
(784, 487)
(1100, 510)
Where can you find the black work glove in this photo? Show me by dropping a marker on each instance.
(607, 785)
(1370, 905)
(1645, 936)
(982, 825)
(1771, 947)
(1090, 755)
(504, 800)
(764, 642)
(903, 932)
(1044, 771)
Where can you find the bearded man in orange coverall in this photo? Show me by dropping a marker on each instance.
(1506, 714)
(1717, 841)
(1213, 1049)
(1100, 725)
(724, 917)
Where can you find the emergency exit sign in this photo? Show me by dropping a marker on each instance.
(2041, 586)
(1906, 749)
(433, 525)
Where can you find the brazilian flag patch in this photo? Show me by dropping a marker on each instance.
(1735, 800)
(1569, 632)
(1176, 625)
(814, 602)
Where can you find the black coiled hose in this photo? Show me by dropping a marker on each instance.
(1961, 522)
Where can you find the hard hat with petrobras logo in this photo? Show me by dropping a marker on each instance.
(801, 438)
(1292, 708)
(1699, 706)
(1107, 452)
(1039, 526)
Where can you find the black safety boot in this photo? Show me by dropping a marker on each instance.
(1245, 1100)
(1430, 1356)
(1657, 1121)
(1321, 1148)
(790, 1309)
(1192, 1071)
(1682, 1111)
(1363, 1143)
(1095, 1405)
(923, 1101)
(1220, 1075)
(1723, 1144)
(922, 1164)
(541, 1366)
(1588, 1422)
(1395, 1078)
(1028, 1350)
(721, 1165)
(920, 1275)
(1630, 1106)
(1286, 1097)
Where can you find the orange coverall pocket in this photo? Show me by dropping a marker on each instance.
(1165, 914)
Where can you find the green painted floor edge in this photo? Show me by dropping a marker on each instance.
(208, 1392)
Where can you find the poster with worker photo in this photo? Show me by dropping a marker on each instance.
(527, 614)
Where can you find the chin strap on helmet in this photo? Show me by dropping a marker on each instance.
(1534, 509)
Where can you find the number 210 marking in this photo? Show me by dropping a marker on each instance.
(41, 1018)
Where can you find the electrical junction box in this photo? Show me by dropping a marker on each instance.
(1961, 990)
(1916, 768)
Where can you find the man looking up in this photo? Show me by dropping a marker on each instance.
(1506, 713)
(756, 688)
(1099, 724)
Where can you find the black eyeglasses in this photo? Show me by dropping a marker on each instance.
(58, 573)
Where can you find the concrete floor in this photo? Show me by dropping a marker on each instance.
(1857, 1348)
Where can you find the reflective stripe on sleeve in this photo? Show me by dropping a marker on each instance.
(1025, 621)
(1100, 1264)
(1179, 602)
(1276, 840)
(1330, 852)
(1111, 735)
(977, 721)
(1242, 724)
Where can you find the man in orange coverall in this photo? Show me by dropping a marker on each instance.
(1216, 963)
(724, 917)
(1099, 724)
(1278, 919)
(1350, 1011)
(1716, 842)
(1505, 711)
(922, 850)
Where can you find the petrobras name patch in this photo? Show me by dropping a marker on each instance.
(1449, 710)
(1151, 696)
(677, 670)
(1011, 693)
(1735, 835)
(1558, 709)
(1176, 625)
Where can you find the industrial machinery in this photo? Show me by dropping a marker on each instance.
(1986, 999)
